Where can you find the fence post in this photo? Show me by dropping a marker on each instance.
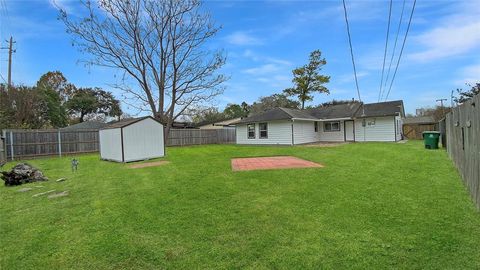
(11, 144)
(59, 143)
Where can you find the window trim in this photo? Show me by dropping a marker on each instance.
(330, 123)
(260, 130)
(248, 131)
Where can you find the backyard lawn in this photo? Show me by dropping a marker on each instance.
(372, 206)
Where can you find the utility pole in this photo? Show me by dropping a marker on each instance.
(441, 100)
(10, 51)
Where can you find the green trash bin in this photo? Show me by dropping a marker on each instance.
(431, 139)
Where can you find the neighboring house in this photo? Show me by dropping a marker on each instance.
(92, 125)
(356, 122)
(413, 127)
(220, 125)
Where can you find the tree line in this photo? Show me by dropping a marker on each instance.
(54, 102)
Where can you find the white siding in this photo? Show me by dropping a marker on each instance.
(331, 136)
(279, 132)
(111, 144)
(399, 123)
(304, 132)
(143, 140)
(382, 131)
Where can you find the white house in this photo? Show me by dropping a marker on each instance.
(132, 140)
(356, 122)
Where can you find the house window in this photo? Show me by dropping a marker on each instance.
(251, 131)
(331, 126)
(263, 127)
(316, 126)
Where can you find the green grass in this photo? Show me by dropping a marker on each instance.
(373, 206)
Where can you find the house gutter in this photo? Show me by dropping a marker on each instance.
(335, 119)
(321, 120)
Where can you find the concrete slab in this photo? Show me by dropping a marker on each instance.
(270, 163)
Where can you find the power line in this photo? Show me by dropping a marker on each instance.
(351, 50)
(401, 50)
(385, 52)
(394, 47)
(5, 81)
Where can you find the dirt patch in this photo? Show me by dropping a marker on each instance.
(148, 164)
(271, 163)
(326, 144)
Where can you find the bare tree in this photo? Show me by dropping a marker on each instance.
(160, 46)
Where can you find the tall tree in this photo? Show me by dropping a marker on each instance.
(201, 115)
(87, 101)
(273, 101)
(21, 107)
(158, 45)
(466, 95)
(308, 80)
(55, 81)
(54, 113)
(234, 110)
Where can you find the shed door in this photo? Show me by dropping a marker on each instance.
(349, 131)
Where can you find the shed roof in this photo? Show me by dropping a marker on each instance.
(127, 122)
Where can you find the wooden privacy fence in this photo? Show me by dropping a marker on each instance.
(2, 151)
(24, 143)
(180, 137)
(463, 143)
(415, 131)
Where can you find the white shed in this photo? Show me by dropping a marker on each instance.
(132, 140)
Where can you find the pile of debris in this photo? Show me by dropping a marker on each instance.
(22, 173)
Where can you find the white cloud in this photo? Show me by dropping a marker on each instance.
(469, 74)
(263, 69)
(450, 40)
(349, 77)
(66, 5)
(242, 38)
(456, 35)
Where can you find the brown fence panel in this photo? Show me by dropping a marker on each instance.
(25, 143)
(414, 131)
(463, 143)
(181, 137)
(2, 150)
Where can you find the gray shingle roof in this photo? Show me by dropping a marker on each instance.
(388, 108)
(86, 125)
(270, 115)
(348, 110)
(295, 113)
(335, 111)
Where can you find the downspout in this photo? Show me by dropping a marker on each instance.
(293, 142)
(395, 127)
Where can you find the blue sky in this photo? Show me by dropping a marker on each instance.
(265, 40)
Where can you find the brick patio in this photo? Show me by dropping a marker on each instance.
(270, 163)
